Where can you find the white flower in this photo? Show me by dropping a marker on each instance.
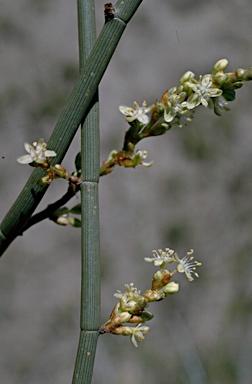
(138, 333)
(160, 257)
(37, 153)
(175, 105)
(187, 265)
(139, 158)
(139, 113)
(203, 90)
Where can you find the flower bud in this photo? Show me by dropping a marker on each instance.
(240, 73)
(124, 317)
(237, 84)
(248, 74)
(220, 66)
(76, 223)
(171, 288)
(126, 331)
(158, 276)
(146, 316)
(186, 77)
(62, 220)
(219, 78)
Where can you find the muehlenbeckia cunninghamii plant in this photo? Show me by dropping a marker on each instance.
(131, 307)
(176, 107)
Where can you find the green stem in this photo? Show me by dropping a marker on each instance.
(50, 209)
(86, 355)
(75, 111)
(90, 231)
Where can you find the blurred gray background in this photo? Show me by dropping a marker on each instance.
(197, 194)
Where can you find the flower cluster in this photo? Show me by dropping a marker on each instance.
(176, 106)
(131, 306)
(186, 265)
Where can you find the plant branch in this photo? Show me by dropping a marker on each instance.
(75, 111)
(47, 213)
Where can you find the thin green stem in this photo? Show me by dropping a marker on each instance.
(75, 111)
(50, 209)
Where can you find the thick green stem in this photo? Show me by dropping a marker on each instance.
(75, 111)
(90, 226)
(85, 355)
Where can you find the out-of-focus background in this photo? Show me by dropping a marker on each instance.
(197, 194)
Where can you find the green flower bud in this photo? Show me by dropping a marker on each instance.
(171, 288)
(74, 222)
(158, 276)
(248, 74)
(240, 73)
(219, 78)
(124, 317)
(238, 84)
(220, 66)
(186, 77)
(146, 316)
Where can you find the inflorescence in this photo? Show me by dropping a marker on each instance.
(131, 304)
(177, 107)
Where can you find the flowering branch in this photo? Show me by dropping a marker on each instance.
(131, 305)
(176, 107)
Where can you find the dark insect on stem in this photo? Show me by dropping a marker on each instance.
(109, 12)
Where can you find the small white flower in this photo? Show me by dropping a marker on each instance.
(160, 257)
(139, 158)
(203, 90)
(175, 105)
(139, 113)
(37, 153)
(187, 265)
(138, 333)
